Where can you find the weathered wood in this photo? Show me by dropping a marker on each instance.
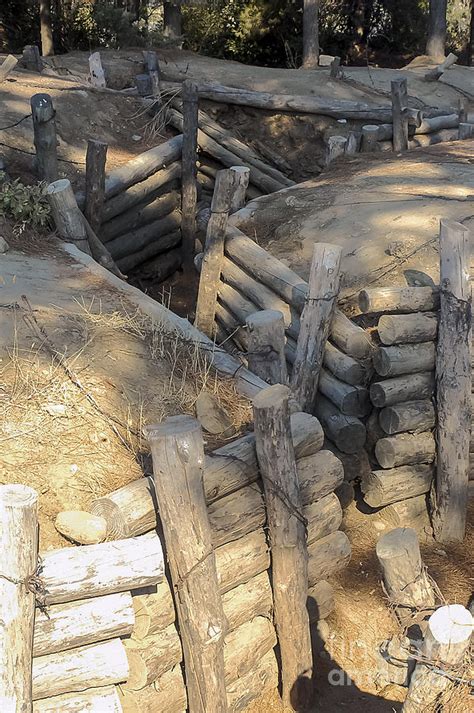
(453, 384)
(407, 416)
(383, 487)
(328, 556)
(151, 657)
(140, 215)
(405, 449)
(254, 684)
(266, 346)
(99, 251)
(18, 562)
(466, 131)
(168, 693)
(335, 70)
(145, 191)
(96, 71)
(343, 366)
(405, 359)
(31, 59)
(347, 432)
(95, 182)
(354, 465)
(78, 669)
(406, 513)
(150, 60)
(437, 137)
(399, 93)
(353, 142)
(349, 337)
(213, 253)
(399, 299)
(319, 475)
(104, 699)
(73, 624)
(68, 574)
(44, 128)
(237, 514)
(140, 238)
(168, 261)
(335, 148)
(154, 610)
(289, 554)
(246, 645)
(402, 388)
(433, 74)
(237, 562)
(436, 123)
(7, 66)
(163, 266)
(142, 166)
(241, 183)
(444, 647)
(407, 328)
(143, 85)
(177, 449)
(316, 319)
(350, 400)
(324, 517)
(369, 138)
(66, 214)
(189, 172)
(248, 600)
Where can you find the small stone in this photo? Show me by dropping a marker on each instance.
(55, 409)
(136, 137)
(211, 415)
(4, 246)
(81, 527)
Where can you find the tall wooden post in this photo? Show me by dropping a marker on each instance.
(266, 346)
(95, 182)
(44, 127)
(310, 34)
(214, 252)
(96, 71)
(152, 66)
(189, 172)
(18, 563)
(178, 461)
(47, 48)
(289, 555)
(68, 218)
(399, 114)
(241, 183)
(453, 384)
(316, 319)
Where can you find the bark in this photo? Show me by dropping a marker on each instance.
(310, 34)
(436, 41)
(383, 487)
(47, 47)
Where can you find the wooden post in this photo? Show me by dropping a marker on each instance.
(189, 172)
(31, 59)
(178, 461)
(315, 322)
(151, 64)
(95, 182)
(369, 138)
(68, 218)
(289, 553)
(335, 69)
(266, 346)
(445, 644)
(463, 109)
(96, 71)
(18, 563)
(466, 131)
(47, 47)
(241, 183)
(399, 114)
(44, 127)
(143, 85)
(214, 252)
(335, 147)
(453, 385)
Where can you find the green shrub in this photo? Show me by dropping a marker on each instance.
(25, 205)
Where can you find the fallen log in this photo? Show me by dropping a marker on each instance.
(142, 166)
(86, 667)
(402, 388)
(70, 573)
(136, 240)
(67, 626)
(405, 359)
(327, 556)
(433, 74)
(437, 137)
(408, 416)
(343, 366)
(383, 487)
(436, 123)
(349, 337)
(7, 66)
(104, 699)
(140, 215)
(167, 261)
(412, 512)
(407, 328)
(347, 432)
(159, 183)
(350, 400)
(399, 299)
(405, 449)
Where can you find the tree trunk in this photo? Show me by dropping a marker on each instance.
(47, 48)
(172, 21)
(310, 34)
(436, 41)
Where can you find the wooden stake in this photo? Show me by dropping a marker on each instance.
(96, 71)
(95, 182)
(178, 461)
(453, 382)
(151, 63)
(369, 138)
(315, 322)
(266, 346)
(214, 252)
(44, 128)
(241, 183)
(68, 218)
(31, 59)
(399, 114)
(189, 173)
(335, 147)
(18, 563)
(288, 541)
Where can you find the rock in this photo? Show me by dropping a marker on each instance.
(211, 415)
(81, 527)
(4, 246)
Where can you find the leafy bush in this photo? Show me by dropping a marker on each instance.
(26, 205)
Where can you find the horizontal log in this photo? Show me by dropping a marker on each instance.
(160, 267)
(159, 183)
(72, 573)
(157, 250)
(154, 610)
(168, 693)
(405, 359)
(408, 416)
(406, 513)
(248, 600)
(74, 624)
(383, 487)
(435, 123)
(246, 645)
(437, 137)
(254, 684)
(103, 700)
(407, 328)
(349, 337)
(323, 517)
(142, 214)
(346, 432)
(354, 464)
(237, 562)
(328, 556)
(343, 366)
(318, 475)
(399, 299)
(402, 388)
(142, 166)
(350, 400)
(405, 449)
(90, 666)
(151, 657)
(237, 514)
(136, 240)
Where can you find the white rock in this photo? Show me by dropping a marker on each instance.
(81, 527)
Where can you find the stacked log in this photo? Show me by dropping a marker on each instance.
(401, 426)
